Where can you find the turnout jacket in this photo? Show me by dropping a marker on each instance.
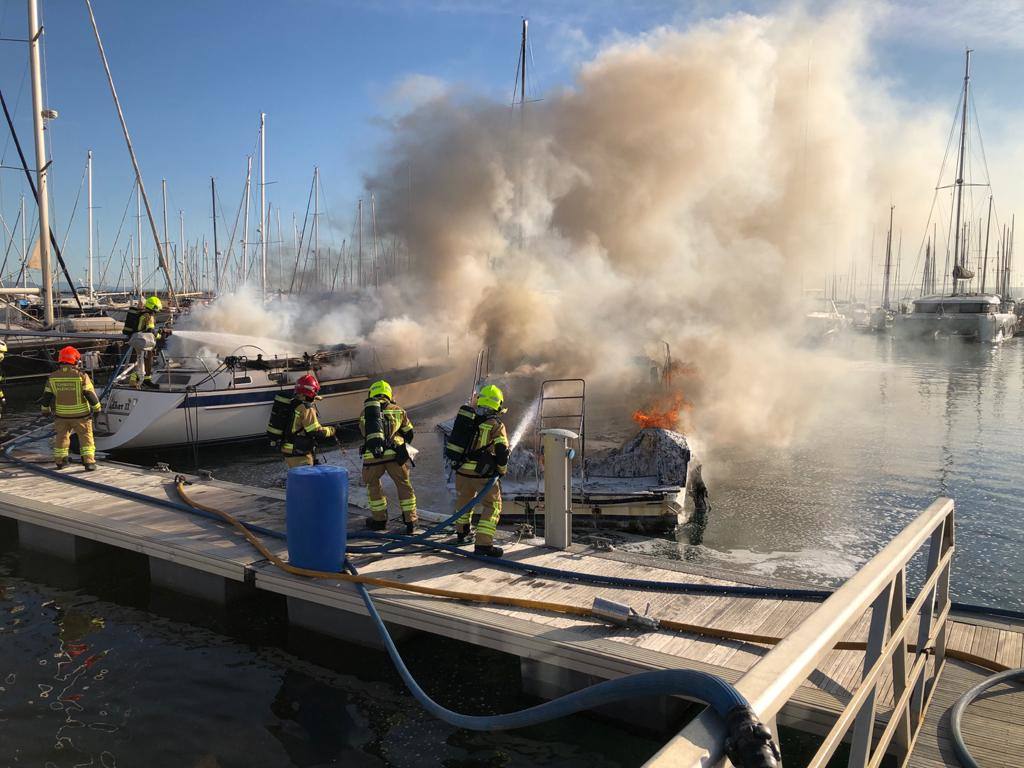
(488, 454)
(303, 430)
(69, 394)
(395, 431)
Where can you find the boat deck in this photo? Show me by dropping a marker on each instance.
(579, 645)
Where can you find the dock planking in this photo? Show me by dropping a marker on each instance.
(579, 644)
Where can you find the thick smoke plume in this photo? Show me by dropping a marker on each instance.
(685, 189)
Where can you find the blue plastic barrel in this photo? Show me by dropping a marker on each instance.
(317, 521)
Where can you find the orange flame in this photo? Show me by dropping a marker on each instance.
(663, 413)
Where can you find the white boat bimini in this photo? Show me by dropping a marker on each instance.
(228, 399)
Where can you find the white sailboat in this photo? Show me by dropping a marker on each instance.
(202, 400)
(976, 316)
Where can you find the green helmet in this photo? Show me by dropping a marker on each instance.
(379, 388)
(490, 397)
(154, 303)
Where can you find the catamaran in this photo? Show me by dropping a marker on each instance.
(976, 316)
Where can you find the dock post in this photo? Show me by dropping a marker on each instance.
(558, 458)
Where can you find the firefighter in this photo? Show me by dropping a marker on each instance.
(387, 434)
(298, 444)
(484, 455)
(3, 353)
(140, 328)
(69, 396)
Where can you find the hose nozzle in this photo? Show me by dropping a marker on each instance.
(750, 743)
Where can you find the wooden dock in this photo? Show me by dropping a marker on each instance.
(558, 652)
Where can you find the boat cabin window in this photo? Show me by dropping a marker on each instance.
(174, 379)
(977, 308)
(243, 380)
(924, 309)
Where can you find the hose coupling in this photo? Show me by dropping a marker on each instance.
(181, 480)
(618, 613)
(749, 743)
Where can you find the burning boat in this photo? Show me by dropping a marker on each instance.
(649, 484)
(223, 399)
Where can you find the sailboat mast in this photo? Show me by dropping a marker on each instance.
(888, 261)
(88, 202)
(183, 251)
(167, 239)
(24, 246)
(216, 252)
(245, 220)
(316, 222)
(263, 204)
(957, 254)
(522, 126)
(138, 238)
(988, 231)
(359, 229)
(42, 199)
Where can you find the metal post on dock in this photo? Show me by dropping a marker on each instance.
(558, 458)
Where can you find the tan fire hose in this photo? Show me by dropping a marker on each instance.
(537, 605)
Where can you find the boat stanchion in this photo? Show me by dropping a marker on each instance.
(558, 458)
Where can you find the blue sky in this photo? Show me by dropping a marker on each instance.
(193, 77)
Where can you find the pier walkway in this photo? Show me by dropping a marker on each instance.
(559, 652)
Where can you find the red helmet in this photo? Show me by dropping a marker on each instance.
(307, 386)
(69, 356)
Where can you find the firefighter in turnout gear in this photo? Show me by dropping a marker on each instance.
(484, 455)
(140, 328)
(70, 397)
(387, 435)
(298, 444)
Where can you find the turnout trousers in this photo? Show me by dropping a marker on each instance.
(293, 460)
(399, 473)
(63, 428)
(490, 506)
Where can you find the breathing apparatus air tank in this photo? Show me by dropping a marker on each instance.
(280, 418)
(460, 442)
(373, 423)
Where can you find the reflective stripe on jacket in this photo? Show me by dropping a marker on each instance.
(397, 428)
(69, 394)
(304, 428)
(489, 448)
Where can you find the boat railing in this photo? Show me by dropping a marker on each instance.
(879, 587)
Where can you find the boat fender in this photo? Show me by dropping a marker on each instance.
(464, 431)
(373, 427)
(749, 742)
(281, 418)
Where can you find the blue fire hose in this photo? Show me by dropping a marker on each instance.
(749, 744)
(956, 716)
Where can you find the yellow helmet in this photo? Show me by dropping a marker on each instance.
(379, 388)
(490, 397)
(154, 303)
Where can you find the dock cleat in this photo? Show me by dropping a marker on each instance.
(463, 534)
(376, 525)
(488, 550)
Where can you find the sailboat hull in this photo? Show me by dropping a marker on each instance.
(145, 419)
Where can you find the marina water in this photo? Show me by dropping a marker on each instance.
(92, 661)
